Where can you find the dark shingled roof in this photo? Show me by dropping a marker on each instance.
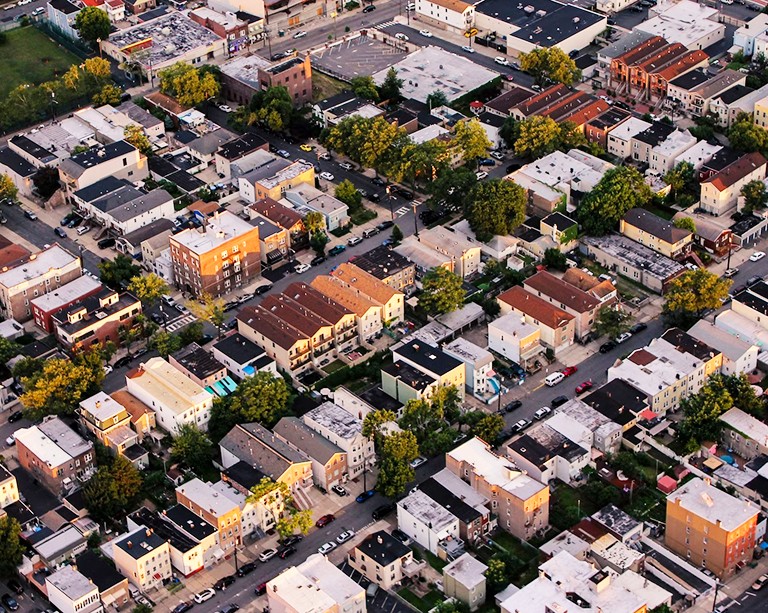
(655, 225)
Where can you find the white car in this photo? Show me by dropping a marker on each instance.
(355, 240)
(426, 33)
(481, 175)
(300, 34)
(108, 369)
(468, 49)
(417, 462)
(10, 441)
(401, 36)
(345, 536)
(225, 108)
(301, 268)
(411, 6)
(267, 555)
(624, 336)
(206, 594)
(502, 61)
(496, 155)
(327, 548)
(757, 256)
(346, 165)
(327, 176)
(542, 413)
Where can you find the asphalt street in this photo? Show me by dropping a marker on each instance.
(11, 11)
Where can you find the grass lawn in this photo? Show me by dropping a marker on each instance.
(29, 56)
(434, 561)
(324, 86)
(429, 602)
(334, 366)
(515, 546)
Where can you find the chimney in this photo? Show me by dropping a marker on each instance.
(129, 544)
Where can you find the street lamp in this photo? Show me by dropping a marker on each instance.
(334, 15)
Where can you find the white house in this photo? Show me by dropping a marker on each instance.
(739, 354)
(478, 363)
(70, 592)
(455, 15)
(425, 521)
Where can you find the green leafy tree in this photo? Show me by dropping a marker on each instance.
(449, 191)
(470, 139)
(141, 608)
(365, 87)
(189, 85)
(191, 446)
(422, 418)
(92, 24)
(489, 427)
(621, 188)
(745, 136)
(209, 309)
(397, 235)
(135, 135)
(46, 181)
(148, 288)
(684, 184)
(8, 349)
(408, 161)
(554, 258)
(755, 196)
(373, 422)
(437, 99)
(296, 522)
(7, 188)
(612, 321)
(165, 343)
(348, 194)
(11, 549)
(537, 136)
(112, 491)
(743, 395)
(496, 207)
(448, 400)
(108, 94)
(702, 412)
(391, 86)
(314, 222)
(364, 140)
(272, 108)
(58, 387)
(193, 333)
(496, 575)
(267, 486)
(115, 273)
(442, 292)
(398, 450)
(685, 223)
(26, 367)
(510, 131)
(692, 293)
(550, 64)
(318, 241)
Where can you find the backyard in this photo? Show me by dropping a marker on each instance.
(29, 56)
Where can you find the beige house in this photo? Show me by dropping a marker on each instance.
(9, 489)
(329, 461)
(720, 192)
(384, 560)
(656, 233)
(464, 255)
(464, 580)
(580, 304)
(515, 339)
(110, 423)
(120, 160)
(220, 511)
(367, 312)
(391, 301)
(144, 558)
(289, 347)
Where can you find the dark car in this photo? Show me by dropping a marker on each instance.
(230, 608)
(325, 520)
(75, 222)
(365, 496)
(9, 602)
(246, 569)
(67, 218)
(385, 225)
(486, 162)
(182, 607)
(515, 404)
(224, 582)
(559, 401)
(286, 551)
(14, 585)
(15, 416)
(317, 260)
(369, 9)
(638, 327)
(291, 540)
(337, 250)
(404, 194)
(262, 289)
(382, 511)
(401, 536)
(374, 198)
(513, 168)
(261, 589)
(28, 214)
(378, 181)
(105, 243)
(124, 361)
(607, 346)
(60, 233)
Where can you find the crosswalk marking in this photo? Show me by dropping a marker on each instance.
(181, 322)
(403, 210)
(385, 24)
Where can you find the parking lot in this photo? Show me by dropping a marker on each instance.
(360, 55)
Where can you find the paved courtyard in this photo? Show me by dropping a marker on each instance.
(356, 56)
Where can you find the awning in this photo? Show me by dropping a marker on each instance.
(220, 389)
(229, 384)
(713, 463)
(274, 256)
(209, 389)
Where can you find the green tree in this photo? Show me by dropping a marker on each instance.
(364, 140)
(621, 189)
(496, 207)
(391, 86)
(537, 136)
(193, 333)
(496, 575)
(470, 139)
(437, 99)
(141, 608)
(398, 450)
(550, 64)
(408, 161)
(743, 395)
(58, 387)
(745, 136)
(11, 549)
(108, 94)
(115, 273)
(449, 191)
(448, 400)
(296, 522)
(702, 412)
(8, 349)
(26, 368)
(148, 288)
(755, 196)
(7, 188)
(92, 24)
(692, 293)
(98, 68)
(46, 181)
(135, 135)
(348, 194)
(191, 446)
(612, 321)
(314, 222)
(397, 235)
(189, 85)
(165, 343)
(684, 184)
(272, 108)
(364, 87)
(422, 418)
(318, 241)
(208, 309)
(266, 486)
(510, 132)
(489, 427)
(112, 491)
(373, 422)
(685, 223)
(555, 259)
(442, 292)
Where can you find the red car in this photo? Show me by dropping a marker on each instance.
(583, 387)
(568, 371)
(325, 520)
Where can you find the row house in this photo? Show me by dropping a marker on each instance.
(119, 159)
(656, 233)
(219, 511)
(143, 557)
(720, 192)
(693, 92)
(226, 25)
(45, 306)
(739, 99)
(368, 314)
(286, 218)
(391, 301)
(110, 423)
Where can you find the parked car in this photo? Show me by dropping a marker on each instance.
(327, 176)
(206, 594)
(300, 34)
(105, 243)
(317, 260)
(760, 582)
(246, 569)
(345, 536)
(346, 165)
(757, 256)
(417, 462)
(354, 240)
(326, 548)
(182, 607)
(261, 589)
(382, 511)
(542, 413)
(497, 155)
(365, 496)
(230, 608)
(283, 153)
(486, 162)
(401, 36)
(607, 346)
(121, 362)
(324, 156)
(481, 175)
(267, 555)
(584, 386)
(559, 401)
(337, 250)
(569, 370)
(224, 582)
(404, 193)
(60, 233)
(515, 404)
(385, 225)
(301, 268)
(13, 417)
(30, 215)
(520, 425)
(401, 536)
(638, 327)
(325, 520)
(370, 8)
(731, 272)
(338, 489)
(379, 181)
(11, 440)
(502, 61)
(224, 108)
(286, 552)
(468, 49)
(754, 280)
(426, 33)
(623, 337)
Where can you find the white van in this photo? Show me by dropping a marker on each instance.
(554, 379)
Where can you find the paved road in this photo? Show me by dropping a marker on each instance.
(12, 14)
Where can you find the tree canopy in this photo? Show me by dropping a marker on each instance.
(120, 270)
(189, 85)
(348, 194)
(755, 196)
(397, 451)
(390, 87)
(7, 188)
(692, 293)
(550, 64)
(538, 136)
(745, 136)
(496, 207)
(470, 139)
(449, 190)
(612, 321)
(365, 87)
(112, 491)
(59, 385)
(11, 549)
(148, 288)
(442, 292)
(92, 24)
(685, 223)
(272, 108)
(209, 309)
(621, 189)
(191, 446)
(135, 135)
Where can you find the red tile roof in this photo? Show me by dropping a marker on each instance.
(736, 171)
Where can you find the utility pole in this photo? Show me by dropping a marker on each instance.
(415, 221)
(365, 474)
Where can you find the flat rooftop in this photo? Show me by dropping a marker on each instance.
(336, 419)
(217, 231)
(163, 382)
(427, 510)
(432, 69)
(48, 261)
(636, 255)
(67, 293)
(713, 505)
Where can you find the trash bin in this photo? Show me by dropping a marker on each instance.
(281, 32)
